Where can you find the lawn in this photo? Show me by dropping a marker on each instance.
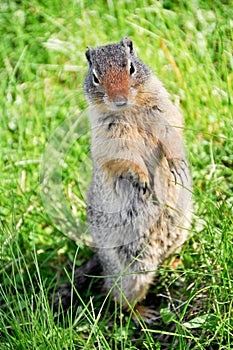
(44, 131)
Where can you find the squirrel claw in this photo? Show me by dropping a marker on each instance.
(146, 313)
(140, 184)
(143, 188)
(178, 167)
(146, 190)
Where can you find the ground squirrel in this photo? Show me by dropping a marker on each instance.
(139, 202)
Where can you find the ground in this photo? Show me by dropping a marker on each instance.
(188, 44)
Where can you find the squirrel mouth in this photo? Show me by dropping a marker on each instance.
(119, 102)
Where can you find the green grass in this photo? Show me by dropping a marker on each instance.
(188, 44)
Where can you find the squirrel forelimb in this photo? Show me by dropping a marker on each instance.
(127, 170)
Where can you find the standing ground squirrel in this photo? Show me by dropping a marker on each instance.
(139, 200)
(138, 205)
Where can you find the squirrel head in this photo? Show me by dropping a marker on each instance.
(114, 75)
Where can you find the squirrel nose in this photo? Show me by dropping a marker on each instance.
(120, 101)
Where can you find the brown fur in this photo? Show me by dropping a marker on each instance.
(139, 202)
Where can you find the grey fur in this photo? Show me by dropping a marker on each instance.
(135, 223)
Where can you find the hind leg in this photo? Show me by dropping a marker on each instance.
(132, 287)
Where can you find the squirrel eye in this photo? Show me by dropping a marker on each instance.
(132, 69)
(95, 78)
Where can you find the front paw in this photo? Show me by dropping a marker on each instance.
(178, 168)
(142, 186)
(140, 183)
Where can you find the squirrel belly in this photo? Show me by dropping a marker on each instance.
(139, 200)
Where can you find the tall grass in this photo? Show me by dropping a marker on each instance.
(188, 44)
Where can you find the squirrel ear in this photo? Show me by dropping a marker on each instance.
(128, 44)
(88, 54)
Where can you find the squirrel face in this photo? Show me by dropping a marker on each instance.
(115, 75)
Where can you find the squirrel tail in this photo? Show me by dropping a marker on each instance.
(83, 276)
